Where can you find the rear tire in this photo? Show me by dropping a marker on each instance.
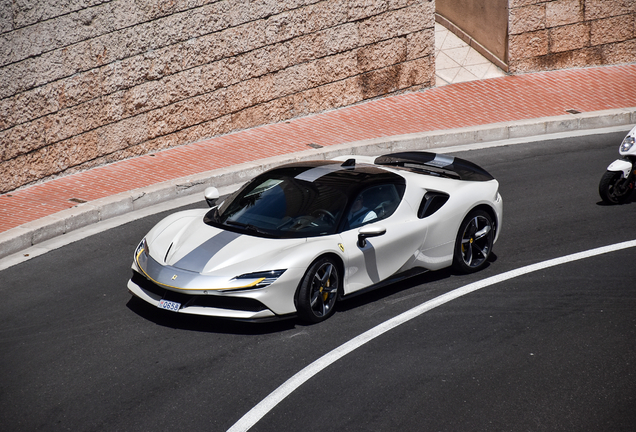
(613, 189)
(318, 291)
(474, 242)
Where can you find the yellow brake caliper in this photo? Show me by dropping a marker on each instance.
(464, 247)
(324, 293)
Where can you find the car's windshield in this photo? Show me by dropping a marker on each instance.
(281, 203)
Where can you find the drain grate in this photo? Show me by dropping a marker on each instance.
(316, 146)
(78, 200)
(572, 111)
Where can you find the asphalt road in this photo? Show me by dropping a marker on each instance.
(551, 350)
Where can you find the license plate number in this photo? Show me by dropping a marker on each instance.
(169, 305)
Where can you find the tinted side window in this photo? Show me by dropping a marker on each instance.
(374, 204)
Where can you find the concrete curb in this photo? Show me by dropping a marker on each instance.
(63, 222)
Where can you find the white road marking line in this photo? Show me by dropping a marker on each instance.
(267, 404)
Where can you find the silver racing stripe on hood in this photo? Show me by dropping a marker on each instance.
(197, 259)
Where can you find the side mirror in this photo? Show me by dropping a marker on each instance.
(211, 195)
(369, 231)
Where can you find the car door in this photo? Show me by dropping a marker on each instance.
(381, 256)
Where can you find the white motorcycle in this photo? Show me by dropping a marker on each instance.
(617, 184)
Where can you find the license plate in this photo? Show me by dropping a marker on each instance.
(169, 305)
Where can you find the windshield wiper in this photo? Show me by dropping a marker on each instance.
(248, 227)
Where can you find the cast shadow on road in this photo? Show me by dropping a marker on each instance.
(410, 283)
(392, 289)
(216, 325)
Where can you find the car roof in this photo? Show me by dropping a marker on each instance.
(348, 176)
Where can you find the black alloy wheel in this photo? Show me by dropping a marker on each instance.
(474, 242)
(318, 291)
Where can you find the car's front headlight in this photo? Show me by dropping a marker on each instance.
(627, 143)
(143, 247)
(260, 279)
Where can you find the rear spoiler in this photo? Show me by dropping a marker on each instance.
(435, 163)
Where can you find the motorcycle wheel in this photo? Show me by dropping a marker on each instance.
(614, 189)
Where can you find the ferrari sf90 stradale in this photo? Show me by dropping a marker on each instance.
(297, 238)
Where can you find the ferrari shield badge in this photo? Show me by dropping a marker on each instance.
(341, 246)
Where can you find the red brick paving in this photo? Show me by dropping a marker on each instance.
(458, 105)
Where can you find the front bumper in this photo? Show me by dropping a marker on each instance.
(213, 295)
(222, 306)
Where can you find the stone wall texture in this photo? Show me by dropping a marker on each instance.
(88, 82)
(559, 34)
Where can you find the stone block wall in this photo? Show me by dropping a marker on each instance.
(88, 82)
(559, 34)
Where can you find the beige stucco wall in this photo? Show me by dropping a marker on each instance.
(558, 34)
(87, 82)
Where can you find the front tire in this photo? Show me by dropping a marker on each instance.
(474, 242)
(318, 291)
(613, 189)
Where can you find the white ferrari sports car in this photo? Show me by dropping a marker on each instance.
(297, 238)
